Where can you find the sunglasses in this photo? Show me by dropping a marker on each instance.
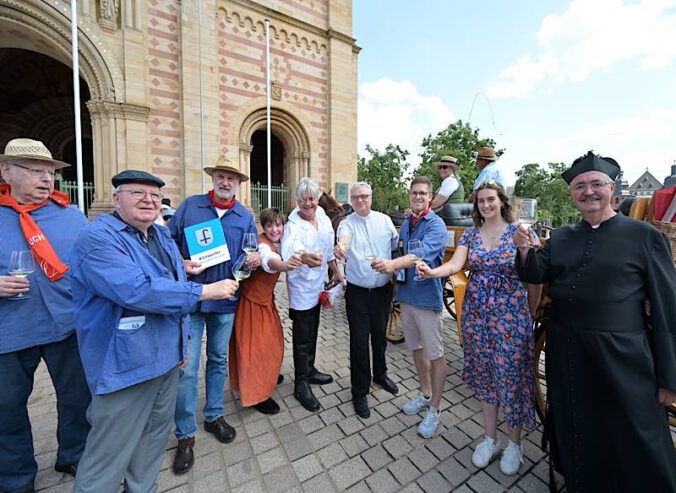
(443, 166)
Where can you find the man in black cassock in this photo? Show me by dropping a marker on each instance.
(611, 365)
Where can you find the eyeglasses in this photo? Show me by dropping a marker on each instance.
(595, 185)
(443, 166)
(360, 197)
(38, 173)
(419, 194)
(140, 195)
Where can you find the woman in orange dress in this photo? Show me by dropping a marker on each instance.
(257, 341)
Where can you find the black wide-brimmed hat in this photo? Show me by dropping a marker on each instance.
(592, 162)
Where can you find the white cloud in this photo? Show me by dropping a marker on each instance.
(637, 142)
(592, 36)
(392, 112)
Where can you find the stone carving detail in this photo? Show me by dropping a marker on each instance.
(109, 12)
(276, 91)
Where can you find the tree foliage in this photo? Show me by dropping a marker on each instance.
(459, 140)
(385, 172)
(550, 190)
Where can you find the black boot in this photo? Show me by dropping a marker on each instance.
(304, 394)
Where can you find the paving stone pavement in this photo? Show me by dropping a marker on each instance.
(332, 450)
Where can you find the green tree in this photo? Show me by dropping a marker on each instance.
(385, 172)
(550, 190)
(459, 140)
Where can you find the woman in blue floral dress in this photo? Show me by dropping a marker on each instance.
(496, 326)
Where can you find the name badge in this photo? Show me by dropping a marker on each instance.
(131, 323)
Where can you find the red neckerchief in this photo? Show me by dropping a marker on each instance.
(42, 250)
(220, 205)
(415, 218)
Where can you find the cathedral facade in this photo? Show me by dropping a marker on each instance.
(168, 86)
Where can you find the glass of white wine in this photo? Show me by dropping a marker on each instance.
(528, 216)
(241, 270)
(344, 242)
(250, 244)
(21, 264)
(415, 250)
(316, 247)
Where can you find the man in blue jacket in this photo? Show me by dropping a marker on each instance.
(421, 303)
(222, 205)
(132, 300)
(39, 324)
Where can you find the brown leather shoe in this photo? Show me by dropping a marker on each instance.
(184, 458)
(221, 430)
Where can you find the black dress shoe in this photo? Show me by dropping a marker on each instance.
(70, 469)
(361, 407)
(268, 406)
(280, 379)
(184, 458)
(387, 384)
(221, 430)
(307, 399)
(319, 378)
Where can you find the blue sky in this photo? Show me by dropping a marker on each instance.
(562, 77)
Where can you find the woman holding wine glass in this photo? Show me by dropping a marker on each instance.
(496, 326)
(257, 342)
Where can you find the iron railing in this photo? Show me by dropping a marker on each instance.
(259, 197)
(70, 188)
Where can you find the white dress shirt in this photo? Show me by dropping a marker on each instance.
(304, 284)
(373, 233)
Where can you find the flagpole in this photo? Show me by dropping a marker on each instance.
(76, 107)
(267, 93)
(199, 48)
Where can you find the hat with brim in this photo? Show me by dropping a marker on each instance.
(168, 212)
(224, 164)
(448, 160)
(136, 176)
(18, 150)
(592, 162)
(487, 153)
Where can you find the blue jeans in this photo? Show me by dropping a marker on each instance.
(219, 328)
(17, 369)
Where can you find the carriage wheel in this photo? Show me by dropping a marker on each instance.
(449, 297)
(394, 333)
(539, 369)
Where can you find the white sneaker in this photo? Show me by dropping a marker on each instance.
(512, 458)
(485, 452)
(430, 423)
(417, 404)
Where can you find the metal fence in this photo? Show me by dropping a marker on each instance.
(70, 188)
(259, 197)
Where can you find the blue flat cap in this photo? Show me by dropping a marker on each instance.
(592, 162)
(135, 176)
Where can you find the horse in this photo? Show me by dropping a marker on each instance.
(334, 209)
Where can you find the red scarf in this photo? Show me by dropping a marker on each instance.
(415, 218)
(40, 247)
(220, 205)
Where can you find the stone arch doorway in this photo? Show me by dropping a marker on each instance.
(259, 161)
(36, 101)
(293, 139)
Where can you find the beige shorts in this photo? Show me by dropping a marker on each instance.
(422, 330)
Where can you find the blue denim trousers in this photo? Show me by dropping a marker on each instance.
(219, 329)
(17, 370)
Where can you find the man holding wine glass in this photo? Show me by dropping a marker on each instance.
(309, 234)
(362, 237)
(38, 229)
(219, 208)
(421, 302)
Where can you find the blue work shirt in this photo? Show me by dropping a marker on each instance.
(113, 272)
(45, 316)
(236, 221)
(490, 172)
(426, 294)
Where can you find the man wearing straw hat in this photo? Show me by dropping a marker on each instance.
(36, 312)
(451, 190)
(219, 204)
(611, 364)
(486, 161)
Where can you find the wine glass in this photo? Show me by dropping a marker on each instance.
(316, 246)
(344, 242)
(250, 244)
(21, 263)
(415, 249)
(241, 270)
(528, 215)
